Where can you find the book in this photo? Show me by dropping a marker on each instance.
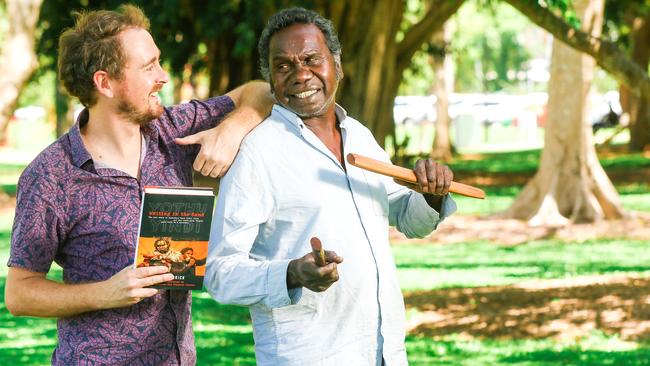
(174, 232)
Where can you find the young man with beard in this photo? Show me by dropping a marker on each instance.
(290, 183)
(78, 202)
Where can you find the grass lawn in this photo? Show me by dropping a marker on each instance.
(224, 334)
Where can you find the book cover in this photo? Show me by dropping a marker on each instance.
(174, 232)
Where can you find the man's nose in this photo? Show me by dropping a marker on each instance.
(163, 76)
(303, 73)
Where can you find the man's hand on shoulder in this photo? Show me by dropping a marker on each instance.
(219, 146)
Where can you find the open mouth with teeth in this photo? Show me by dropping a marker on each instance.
(305, 94)
(155, 96)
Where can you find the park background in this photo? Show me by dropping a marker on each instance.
(543, 104)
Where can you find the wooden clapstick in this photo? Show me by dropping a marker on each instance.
(318, 251)
(407, 175)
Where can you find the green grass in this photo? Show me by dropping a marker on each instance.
(634, 197)
(481, 264)
(527, 161)
(224, 334)
(595, 350)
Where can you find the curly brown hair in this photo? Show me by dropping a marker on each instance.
(92, 45)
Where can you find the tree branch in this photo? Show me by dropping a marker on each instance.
(438, 13)
(607, 54)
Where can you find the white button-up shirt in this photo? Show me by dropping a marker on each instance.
(284, 187)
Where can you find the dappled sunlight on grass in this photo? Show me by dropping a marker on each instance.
(24, 340)
(596, 349)
(481, 263)
(451, 290)
(565, 310)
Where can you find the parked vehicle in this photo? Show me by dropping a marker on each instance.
(606, 111)
(414, 109)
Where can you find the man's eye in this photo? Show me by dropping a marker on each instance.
(282, 67)
(313, 60)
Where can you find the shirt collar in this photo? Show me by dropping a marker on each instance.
(80, 154)
(77, 149)
(294, 119)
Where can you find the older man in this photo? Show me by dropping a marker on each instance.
(290, 184)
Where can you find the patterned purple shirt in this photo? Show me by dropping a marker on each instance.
(85, 218)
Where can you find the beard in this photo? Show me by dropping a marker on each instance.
(140, 117)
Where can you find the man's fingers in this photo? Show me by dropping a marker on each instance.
(316, 244)
(216, 171)
(224, 170)
(432, 175)
(449, 176)
(440, 182)
(199, 162)
(207, 168)
(332, 257)
(156, 279)
(143, 272)
(144, 292)
(420, 172)
(188, 140)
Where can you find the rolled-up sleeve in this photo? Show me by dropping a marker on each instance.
(233, 276)
(409, 212)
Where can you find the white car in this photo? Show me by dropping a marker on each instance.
(414, 109)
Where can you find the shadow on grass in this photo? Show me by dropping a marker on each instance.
(564, 309)
(25, 340)
(583, 358)
(543, 269)
(452, 351)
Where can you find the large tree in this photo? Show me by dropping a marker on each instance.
(17, 58)
(570, 182)
(607, 54)
(374, 59)
(628, 21)
(218, 38)
(442, 88)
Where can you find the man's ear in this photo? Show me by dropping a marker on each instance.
(103, 84)
(339, 68)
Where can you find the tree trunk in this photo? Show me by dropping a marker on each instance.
(639, 107)
(18, 58)
(443, 84)
(64, 106)
(570, 183)
(607, 54)
(373, 60)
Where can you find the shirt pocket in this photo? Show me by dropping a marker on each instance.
(293, 323)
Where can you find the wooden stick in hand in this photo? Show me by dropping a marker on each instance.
(407, 175)
(318, 251)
